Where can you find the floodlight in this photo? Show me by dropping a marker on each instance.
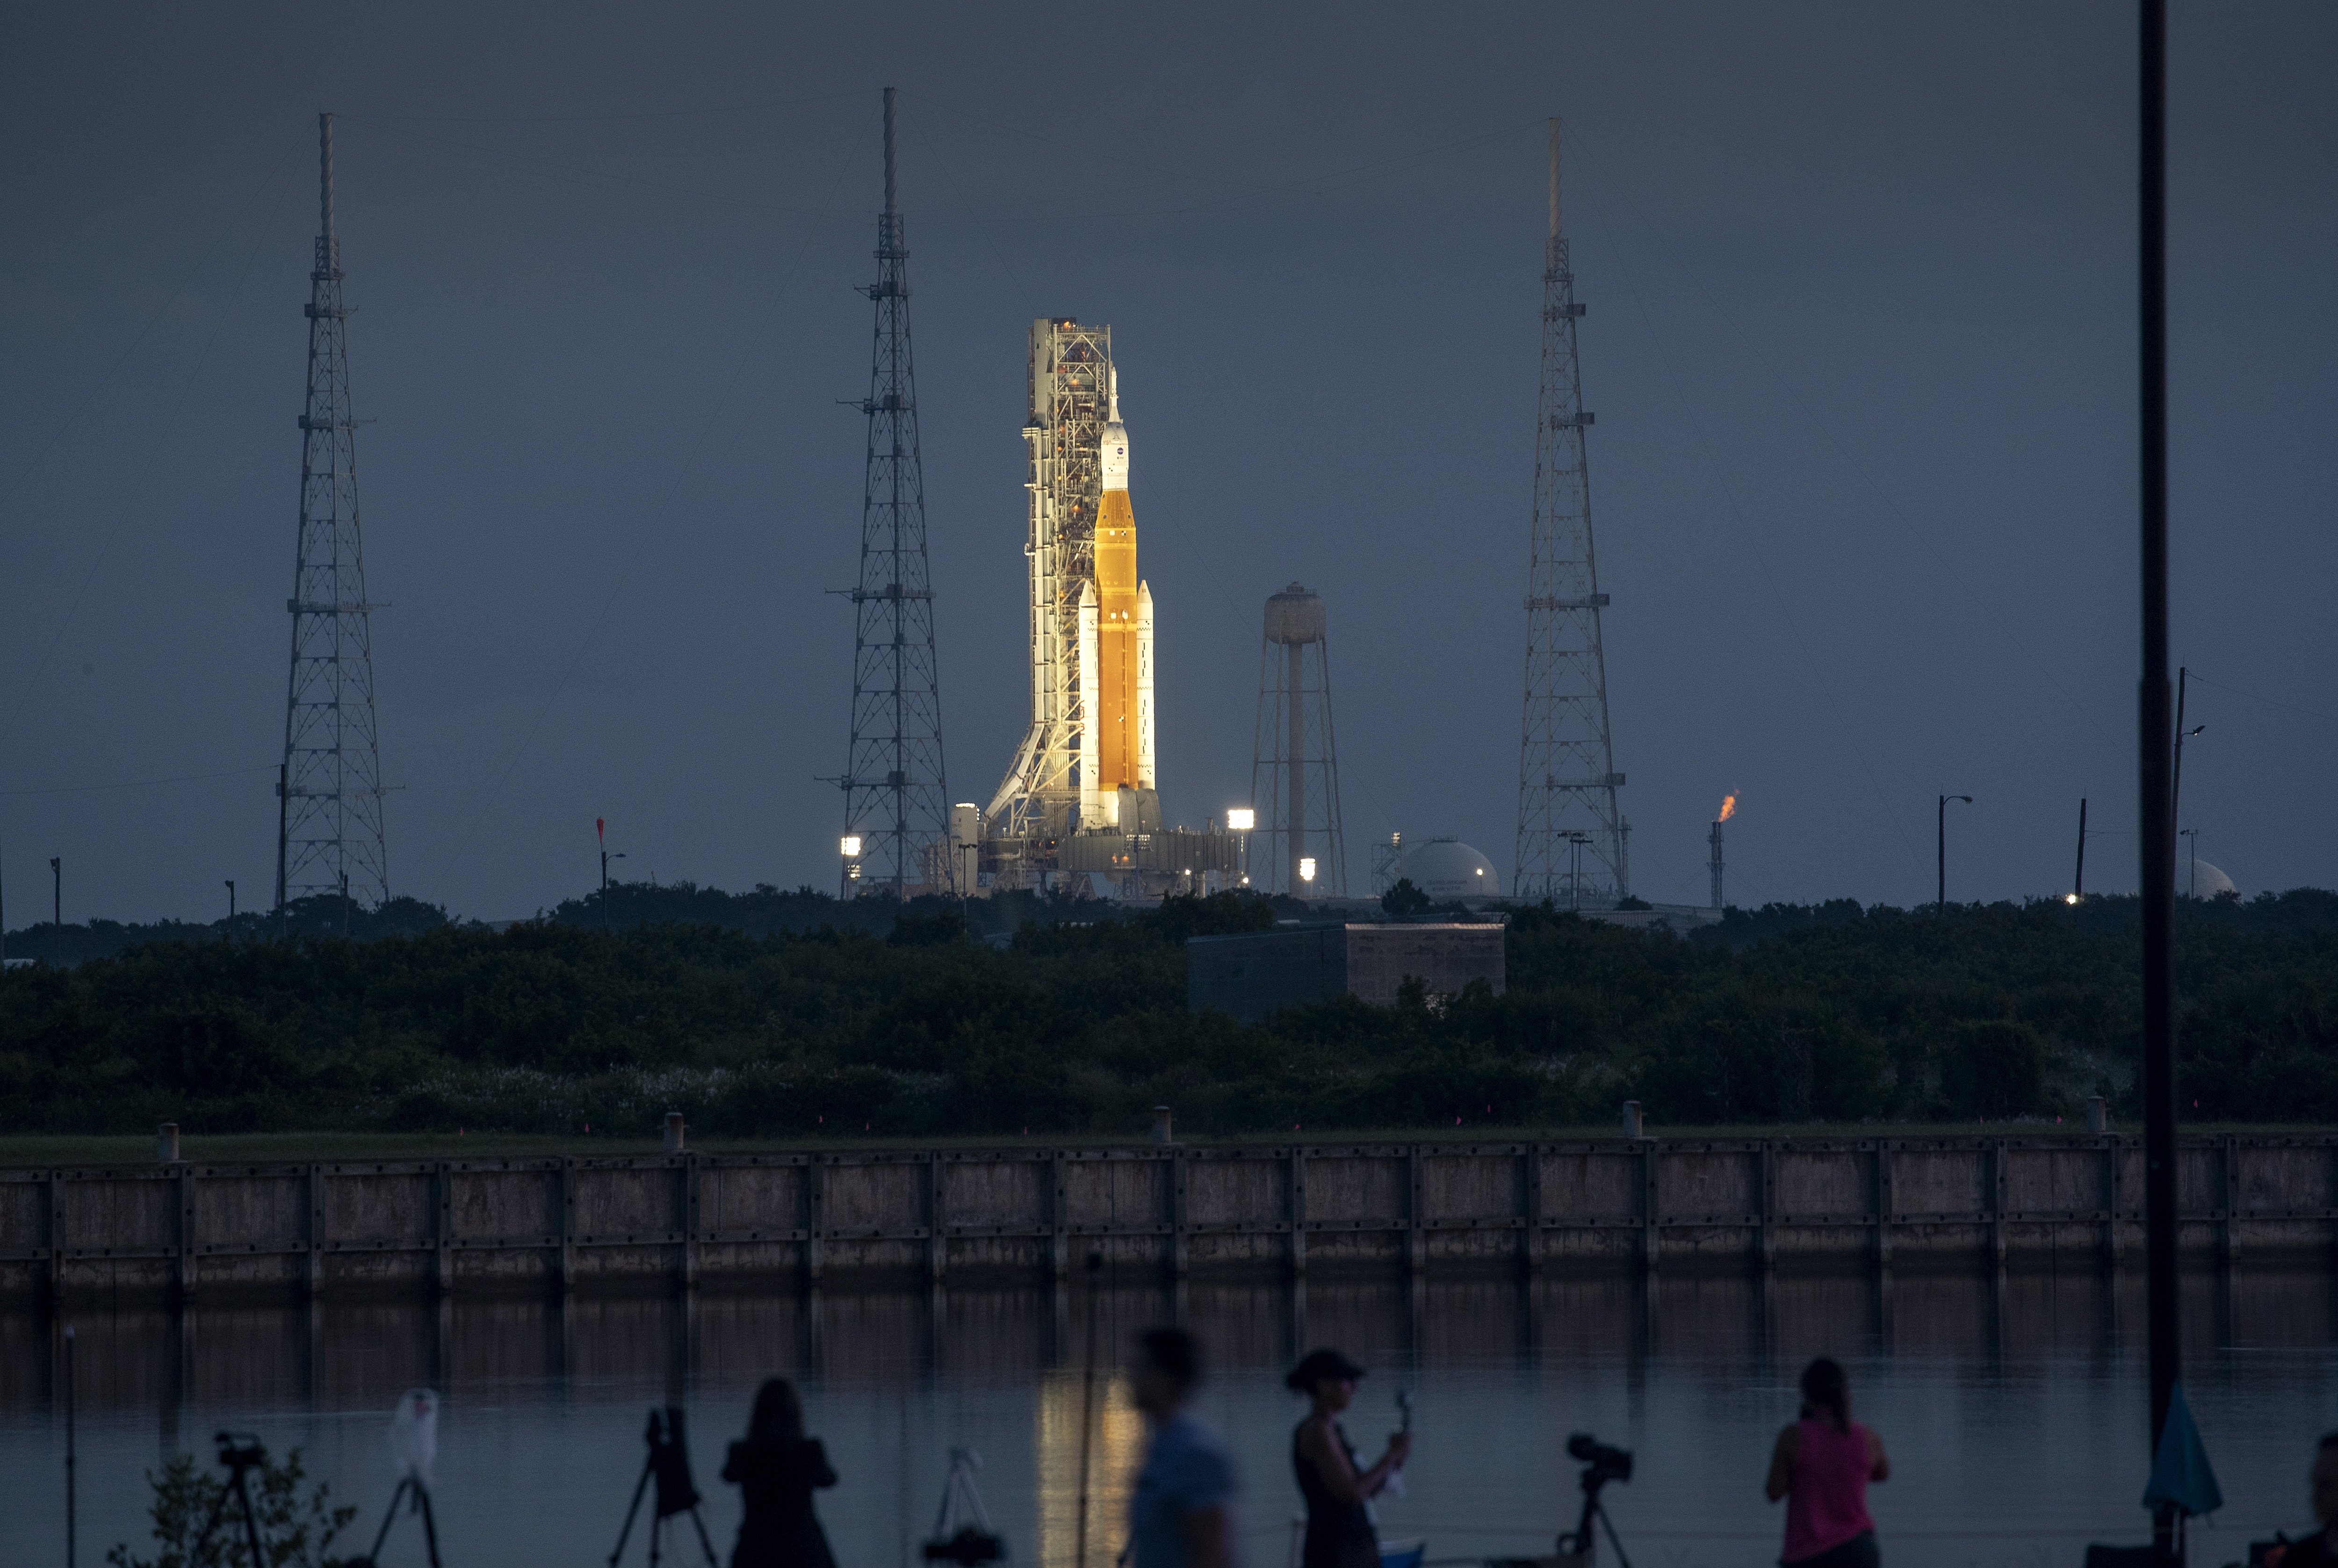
(1307, 868)
(1241, 819)
(852, 846)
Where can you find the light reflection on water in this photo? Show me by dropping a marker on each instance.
(2013, 1411)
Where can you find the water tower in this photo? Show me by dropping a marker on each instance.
(1294, 781)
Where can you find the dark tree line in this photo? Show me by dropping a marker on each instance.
(789, 1014)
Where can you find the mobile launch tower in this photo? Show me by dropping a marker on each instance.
(1567, 765)
(1080, 795)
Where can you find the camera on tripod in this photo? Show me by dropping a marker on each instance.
(240, 1450)
(1602, 1462)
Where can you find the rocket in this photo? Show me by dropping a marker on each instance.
(1116, 633)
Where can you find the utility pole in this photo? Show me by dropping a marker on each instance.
(329, 815)
(2175, 781)
(2155, 779)
(1943, 905)
(2079, 881)
(57, 893)
(231, 900)
(1566, 763)
(895, 793)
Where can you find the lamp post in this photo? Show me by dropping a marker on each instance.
(2175, 782)
(2192, 881)
(1576, 840)
(1943, 904)
(231, 900)
(601, 835)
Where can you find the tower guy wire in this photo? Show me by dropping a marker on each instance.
(329, 836)
(896, 799)
(1568, 781)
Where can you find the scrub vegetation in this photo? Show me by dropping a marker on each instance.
(757, 1016)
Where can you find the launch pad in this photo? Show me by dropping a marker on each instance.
(1080, 798)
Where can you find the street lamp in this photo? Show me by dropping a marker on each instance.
(2192, 887)
(1943, 903)
(230, 899)
(601, 833)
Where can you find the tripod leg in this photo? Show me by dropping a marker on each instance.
(429, 1521)
(250, 1522)
(396, 1496)
(204, 1541)
(699, 1520)
(639, 1487)
(1614, 1539)
(657, 1533)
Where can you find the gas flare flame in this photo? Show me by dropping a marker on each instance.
(1728, 808)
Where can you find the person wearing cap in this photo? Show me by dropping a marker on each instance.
(1181, 1514)
(1339, 1533)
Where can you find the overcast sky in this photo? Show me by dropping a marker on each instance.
(1860, 339)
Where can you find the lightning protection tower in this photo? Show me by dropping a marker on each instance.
(328, 791)
(1566, 767)
(895, 798)
(1295, 777)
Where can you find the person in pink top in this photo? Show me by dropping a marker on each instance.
(1821, 1466)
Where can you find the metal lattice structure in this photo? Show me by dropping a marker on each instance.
(1294, 775)
(1038, 803)
(329, 836)
(1568, 781)
(895, 798)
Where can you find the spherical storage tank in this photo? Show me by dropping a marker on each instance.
(1447, 869)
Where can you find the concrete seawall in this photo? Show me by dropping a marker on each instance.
(763, 1221)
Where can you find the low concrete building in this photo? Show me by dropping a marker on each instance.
(1250, 975)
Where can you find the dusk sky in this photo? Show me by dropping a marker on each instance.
(1860, 344)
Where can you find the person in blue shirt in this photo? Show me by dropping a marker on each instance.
(1182, 1515)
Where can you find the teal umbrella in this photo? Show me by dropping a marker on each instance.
(2180, 1472)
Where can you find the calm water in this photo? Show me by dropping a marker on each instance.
(2013, 1411)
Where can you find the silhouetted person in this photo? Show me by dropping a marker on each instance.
(1339, 1533)
(2318, 1549)
(776, 1469)
(1182, 1514)
(1821, 1466)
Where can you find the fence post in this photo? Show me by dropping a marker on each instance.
(1886, 1204)
(691, 1178)
(1299, 1211)
(815, 1215)
(1059, 1213)
(1530, 1207)
(316, 1280)
(2229, 1233)
(1176, 1211)
(442, 1229)
(56, 1239)
(186, 1185)
(568, 1173)
(1416, 1248)
(936, 1247)
(1997, 1152)
(1765, 1176)
(1650, 1216)
(2114, 1248)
